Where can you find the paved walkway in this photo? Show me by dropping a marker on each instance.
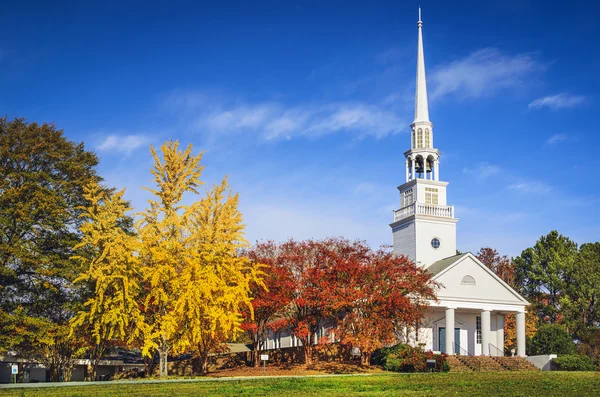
(186, 380)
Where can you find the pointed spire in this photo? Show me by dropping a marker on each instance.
(421, 105)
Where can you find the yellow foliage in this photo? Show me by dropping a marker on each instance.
(197, 284)
(109, 255)
(215, 283)
(163, 241)
(510, 329)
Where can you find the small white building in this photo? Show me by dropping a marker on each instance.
(473, 301)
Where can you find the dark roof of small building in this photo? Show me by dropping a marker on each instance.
(437, 267)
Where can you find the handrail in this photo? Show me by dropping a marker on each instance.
(417, 208)
(493, 349)
(463, 352)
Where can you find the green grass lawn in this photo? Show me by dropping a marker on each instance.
(566, 384)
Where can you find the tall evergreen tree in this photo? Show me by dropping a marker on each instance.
(541, 272)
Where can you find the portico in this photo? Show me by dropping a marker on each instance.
(476, 332)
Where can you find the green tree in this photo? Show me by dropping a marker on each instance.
(552, 339)
(42, 175)
(540, 274)
(581, 302)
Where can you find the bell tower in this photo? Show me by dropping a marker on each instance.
(424, 228)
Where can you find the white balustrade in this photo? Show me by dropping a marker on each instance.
(424, 209)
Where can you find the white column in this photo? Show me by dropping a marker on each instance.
(485, 332)
(437, 170)
(500, 332)
(521, 334)
(449, 331)
(406, 164)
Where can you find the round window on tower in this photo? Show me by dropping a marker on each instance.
(435, 243)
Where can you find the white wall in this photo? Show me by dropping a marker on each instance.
(486, 288)
(440, 186)
(426, 230)
(404, 240)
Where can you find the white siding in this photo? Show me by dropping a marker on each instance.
(404, 240)
(486, 289)
(426, 230)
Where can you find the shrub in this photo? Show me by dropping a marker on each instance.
(405, 358)
(552, 339)
(574, 362)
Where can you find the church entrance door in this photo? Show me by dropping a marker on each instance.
(442, 339)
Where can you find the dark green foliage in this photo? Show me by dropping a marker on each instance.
(552, 339)
(541, 274)
(581, 301)
(405, 358)
(42, 175)
(574, 362)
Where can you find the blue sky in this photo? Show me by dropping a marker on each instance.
(306, 105)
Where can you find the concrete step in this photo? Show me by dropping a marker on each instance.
(456, 365)
(489, 364)
(515, 363)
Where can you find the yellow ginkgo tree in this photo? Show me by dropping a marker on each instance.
(109, 253)
(196, 284)
(215, 281)
(164, 247)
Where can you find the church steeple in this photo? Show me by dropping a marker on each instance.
(422, 160)
(424, 228)
(421, 105)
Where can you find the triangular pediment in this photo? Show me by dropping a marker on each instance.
(464, 277)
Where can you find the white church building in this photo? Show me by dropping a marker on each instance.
(468, 317)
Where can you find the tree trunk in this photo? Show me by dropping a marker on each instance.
(204, 364)
(365, 359)
(163, 365)
(307, 349)
(256, 356)
(67, 372)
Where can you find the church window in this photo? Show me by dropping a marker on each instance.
(407, 198)
(427, 138)
(412, 141)
(420, 138)
(468, 280)
(435, 243)
(478, 329)
(431, 196)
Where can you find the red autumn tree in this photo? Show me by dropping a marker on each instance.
(268, 302)
(393, 295)
(499, 264)
(372, 295)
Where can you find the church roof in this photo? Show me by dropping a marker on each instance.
(437, 267)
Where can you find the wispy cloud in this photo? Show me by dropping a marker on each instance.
(555, 139)
(483, 73)
(275, 120)
(530, 187)
(123, 144)
(482, 171)
(559, 101)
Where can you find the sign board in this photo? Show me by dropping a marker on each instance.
(264, 357)
(15, 369)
